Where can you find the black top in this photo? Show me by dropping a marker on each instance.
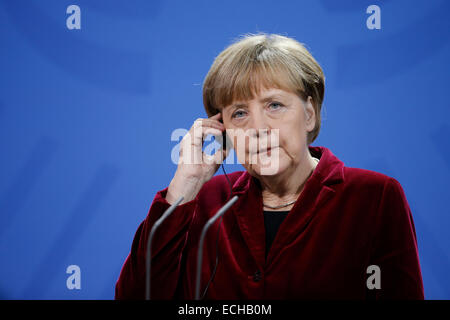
(272, 221)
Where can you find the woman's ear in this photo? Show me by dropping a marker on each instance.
(310, 114)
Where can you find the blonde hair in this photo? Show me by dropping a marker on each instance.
(262, 60)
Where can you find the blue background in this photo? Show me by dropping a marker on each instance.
(86, 118)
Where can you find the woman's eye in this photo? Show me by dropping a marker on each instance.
(275, 105)
(238, 114)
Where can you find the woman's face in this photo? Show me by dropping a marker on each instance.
(247, 122)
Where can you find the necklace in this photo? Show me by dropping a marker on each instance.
(280, 206)
(289, 203)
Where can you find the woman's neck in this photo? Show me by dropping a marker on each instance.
(287, 186)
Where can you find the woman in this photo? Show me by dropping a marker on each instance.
(308, 228)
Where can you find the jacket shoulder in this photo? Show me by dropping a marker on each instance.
(220, 185)
(357, 177)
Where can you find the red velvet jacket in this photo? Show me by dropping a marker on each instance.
(345, 220)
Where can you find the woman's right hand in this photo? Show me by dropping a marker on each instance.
(194, 166)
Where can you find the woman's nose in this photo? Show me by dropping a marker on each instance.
(259, 125)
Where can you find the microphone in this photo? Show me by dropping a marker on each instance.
(148, 255)
(202, 239)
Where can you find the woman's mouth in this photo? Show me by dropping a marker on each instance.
(267, 150)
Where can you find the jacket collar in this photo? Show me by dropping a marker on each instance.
(329, 171)
(319, 188)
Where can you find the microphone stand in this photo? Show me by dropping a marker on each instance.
(148, 255)
(202, 239)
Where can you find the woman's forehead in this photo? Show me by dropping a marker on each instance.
(261, 95)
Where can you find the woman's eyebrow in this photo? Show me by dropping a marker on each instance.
(265, 99)
(238, 105)
(271, 97)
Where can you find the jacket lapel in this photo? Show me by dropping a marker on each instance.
(248, 210)
(249, 214)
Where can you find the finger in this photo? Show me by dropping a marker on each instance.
(199, 126)
(220, 156)
(198, 134)
(209, 123)
(226, 152)
(217, 116)
(215, 158)
(213, 131)
(192, 143)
